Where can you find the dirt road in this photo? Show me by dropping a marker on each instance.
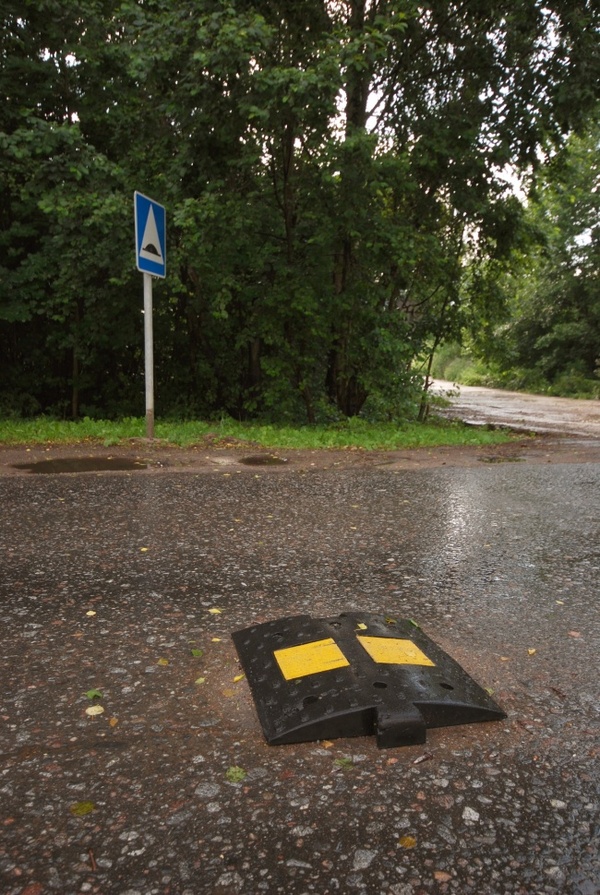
(533, 413)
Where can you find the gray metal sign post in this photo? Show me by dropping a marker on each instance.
(148, 356)
(151, 260)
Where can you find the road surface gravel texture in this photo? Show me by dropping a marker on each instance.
(130, 584)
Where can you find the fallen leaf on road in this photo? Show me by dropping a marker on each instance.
(94, 694)
(425, 757)
(197, 653)
(80, 809)
(33, 888)
(163, 662)
(113, 722)
(531, 652)
(235, 774)
(407, 841)
(200, 680)
(91, 612)
(94, 710)
(215, 611)
(238, 677)
(574, 634)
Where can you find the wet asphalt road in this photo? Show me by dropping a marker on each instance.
(498, 564)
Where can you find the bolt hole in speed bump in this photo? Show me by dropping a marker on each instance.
(355, 675)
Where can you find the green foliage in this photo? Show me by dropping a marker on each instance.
(456, 363)
(551, 339)
(333, 177)
(351, 434)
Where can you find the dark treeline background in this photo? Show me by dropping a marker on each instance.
(335, 178)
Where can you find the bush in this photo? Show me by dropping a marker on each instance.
(574, 384)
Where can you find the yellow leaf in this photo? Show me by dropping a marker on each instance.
(216, 639)
(531, 652)
(91, 612)
(113, 722)
(228, 692)
(163, 662)
(327, 744)
(80, 809)
(215, 611)
(407, 841)
(144, 549)
(94, 710)
(238, 677)
(504, 658)
(200, 680)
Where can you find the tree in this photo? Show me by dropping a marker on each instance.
(553, 332)
(64, 277)
(328, 168)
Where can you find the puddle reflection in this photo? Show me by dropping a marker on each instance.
(83, 464)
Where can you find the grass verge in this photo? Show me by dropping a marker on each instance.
(354, 433)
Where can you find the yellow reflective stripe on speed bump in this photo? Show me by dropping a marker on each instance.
(310, 658)
(390, 651)
(325, 655)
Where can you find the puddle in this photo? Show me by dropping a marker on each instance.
(263, 460)
(83, 464)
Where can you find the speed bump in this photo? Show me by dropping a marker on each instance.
(355, 675)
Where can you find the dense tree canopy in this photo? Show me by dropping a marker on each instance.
(331, 169)
(551, 337)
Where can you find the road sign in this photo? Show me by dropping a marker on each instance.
(150, 236)
(355, 675)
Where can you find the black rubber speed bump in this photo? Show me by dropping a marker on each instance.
(355, 675)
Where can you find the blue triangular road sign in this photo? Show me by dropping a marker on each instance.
(150, 236)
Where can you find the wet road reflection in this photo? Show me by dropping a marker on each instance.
(111, 581)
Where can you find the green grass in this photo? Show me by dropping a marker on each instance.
(356, 434)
